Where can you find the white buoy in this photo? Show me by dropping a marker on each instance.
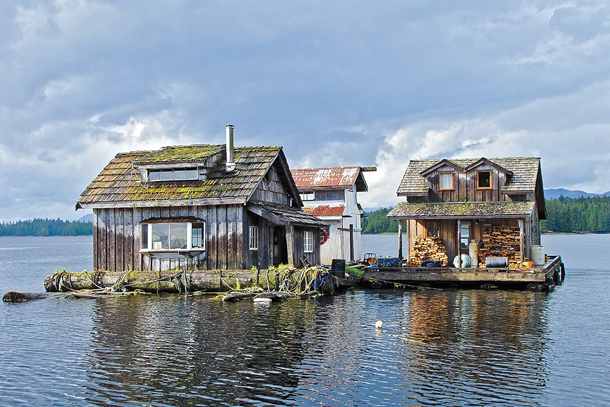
(379, 325)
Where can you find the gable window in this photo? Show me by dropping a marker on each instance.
(483, 179)
(308, 196)
(174, 236)
(253, 238)
(308, 241)
(445, 180)
(173, 174)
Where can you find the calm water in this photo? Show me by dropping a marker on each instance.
(437, 347)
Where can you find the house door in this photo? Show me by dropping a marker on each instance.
(279, 252)
(464, 237)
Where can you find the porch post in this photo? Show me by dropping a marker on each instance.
(289, 244)
(459, 243)
(400, 241)
(521, 242)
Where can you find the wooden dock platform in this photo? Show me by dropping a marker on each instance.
(542, 277)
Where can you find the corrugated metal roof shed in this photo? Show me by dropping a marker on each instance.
(330, 177)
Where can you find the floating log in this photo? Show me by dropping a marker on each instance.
(151, 281)
(24, 296)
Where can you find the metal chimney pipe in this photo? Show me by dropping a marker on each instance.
(230, 149)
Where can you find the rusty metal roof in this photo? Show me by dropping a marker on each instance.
(330, 177)
(462, 210)
(523, 175)
(121, 182)
(325, 210)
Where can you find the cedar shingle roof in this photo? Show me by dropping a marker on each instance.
(456, 210)
(120, 182)
(337, 177)
(524, 173)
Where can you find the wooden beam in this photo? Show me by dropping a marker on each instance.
(400, 242)
(289, 244)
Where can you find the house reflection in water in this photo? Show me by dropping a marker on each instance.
(473, 338)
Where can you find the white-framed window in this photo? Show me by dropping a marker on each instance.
(308, 196)
(445, 180)
(173, 174)
(253, 238)
(308, 241)
(173, 236)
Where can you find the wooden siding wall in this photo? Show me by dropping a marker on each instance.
(263, 257)
(272, 191)
(299, 246)
(465, 186)
(116, 238)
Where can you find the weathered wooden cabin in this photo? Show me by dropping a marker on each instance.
(331, 195)
(199, 206)
(496, 204)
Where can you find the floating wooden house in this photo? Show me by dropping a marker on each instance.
(331, 195)
(495, 203)
(199, 206)
(472, 222)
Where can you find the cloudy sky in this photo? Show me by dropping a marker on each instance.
(339, 82)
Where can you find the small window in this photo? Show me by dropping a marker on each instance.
(446, 180)
(484, 180)
(433, 229)
(197, 235)
(464, 235)
(154, 175)
(308, 196)
(253, 238)
(144, 239)
(308, 241)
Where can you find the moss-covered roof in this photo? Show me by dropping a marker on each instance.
(180, 154)
(462, 210)
(121, 182)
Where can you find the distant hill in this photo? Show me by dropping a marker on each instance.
(86, 218)
(569, 193)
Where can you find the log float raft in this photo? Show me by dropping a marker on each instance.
(539, 278)
(272, 284)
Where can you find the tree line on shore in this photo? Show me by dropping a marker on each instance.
(46, 227)
(563, 215)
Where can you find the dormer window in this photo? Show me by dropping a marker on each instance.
(445, 180)
(173, 174)
(484, 180)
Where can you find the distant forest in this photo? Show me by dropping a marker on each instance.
(564, 215)
(46, 227)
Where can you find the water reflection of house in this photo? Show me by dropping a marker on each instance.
(208, 206)
(496, 202)
(331, 195)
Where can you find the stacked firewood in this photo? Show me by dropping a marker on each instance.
(500, 241)
(427, 248)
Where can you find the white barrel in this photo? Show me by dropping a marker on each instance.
(538, 255)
